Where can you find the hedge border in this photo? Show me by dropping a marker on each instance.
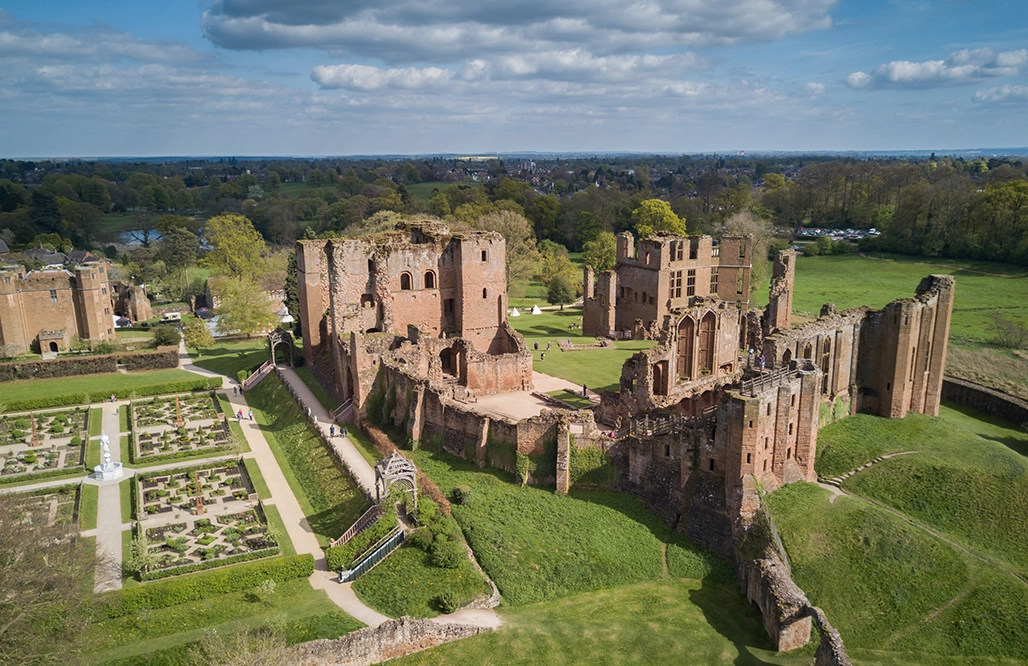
(159, 359)
(165, 593)
(209, 564)
(184, 386)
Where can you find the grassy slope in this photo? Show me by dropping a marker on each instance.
(598, 369)
(229, 357)
(537, 545)
(319, 391)
(659, 622)
(331, 500)
(968, 479)
(141, 635)
(36, 388)
(407, 583)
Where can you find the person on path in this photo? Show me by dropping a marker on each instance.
(585, 391)
(345, 431)
(239, 416)
(762, 361)
(235, 391)
(542, 356)
(547, 346)
(537, 346)
(332, 431)
(249, 413)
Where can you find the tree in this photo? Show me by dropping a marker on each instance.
(237, 249)
(544, 213)
(655, 215)
(601, 253)
(560, 291)
(178, 247)
(245, 307)
(142, 559)
(197, 335)
(263, 646)
(47, 576)
(165, 335)
(520, 239)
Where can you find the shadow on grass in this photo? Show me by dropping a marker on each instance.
(1014, 443)
(722, 615)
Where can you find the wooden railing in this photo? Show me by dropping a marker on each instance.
(647, 427)
(344, 412)
(255, 378)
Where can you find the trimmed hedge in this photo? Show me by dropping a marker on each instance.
(198, 384)
(162, 358)
(205, 585)
(77, 470)
(209, 564)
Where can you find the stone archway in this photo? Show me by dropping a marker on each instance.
(277, 337)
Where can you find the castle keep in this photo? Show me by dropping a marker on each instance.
(53, 305)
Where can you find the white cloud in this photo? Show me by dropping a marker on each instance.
(814, 89)
(400, 31)
(1006, 93)
(95, 45)
(366, 77)
(962, 67)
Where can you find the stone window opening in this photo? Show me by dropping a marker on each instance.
(826, 362)
(913, 363)
(371, 265)
(679, 250)
(713, 280)
(676, 284)
(647, 257)
(792, 402)
(790, 428)
(715, 251)
(788, 454)
(429, 280)
(769, 409)
(485, 255)
(103, 290)
(765, 465)
(405, 282)
(748, 455)
(686, 336)
(690, 282)
(742, 250)
(667, 450)
(751, 423)
(767, 443)
(448, 306)
(738, 283)
(692, 250)
(786, 358)
(711, 464)
(485, 293)
(706, 347)
(53, 295)
(367, 301)
(644, 298)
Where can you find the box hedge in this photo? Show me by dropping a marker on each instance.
(162, 358)
(162, 594)
(209, 564)
(101, 395)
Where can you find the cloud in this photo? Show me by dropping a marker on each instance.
(98, 44)
(406, 32)
(962, 67)
(1006, 93)
(366, 77)
(814, 89)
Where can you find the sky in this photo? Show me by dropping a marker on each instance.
(85, 78)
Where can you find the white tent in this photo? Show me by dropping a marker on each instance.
(536, 310)
(515, 313)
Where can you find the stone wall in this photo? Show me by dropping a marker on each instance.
(986, 400)
(390, 640)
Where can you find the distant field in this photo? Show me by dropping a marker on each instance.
(851, 280)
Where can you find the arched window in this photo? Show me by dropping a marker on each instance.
(405, 282)
(485, 293)
(371, 265)
(708, 326)
(429, 280)
(686, 340)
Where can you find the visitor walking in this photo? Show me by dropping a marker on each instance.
(331, 431)
(249, 414)
(344, 432)
(547, 346)
(239, 416)
(542, 356)
(761, 361)
(235, 391)
(584, 391)
(537, 346)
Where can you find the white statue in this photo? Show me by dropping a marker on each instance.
(109, 469)
(105, 447)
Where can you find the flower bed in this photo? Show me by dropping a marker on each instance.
(177, 426)
(59, 450)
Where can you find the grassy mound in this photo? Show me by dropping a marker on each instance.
(537, 545)
(330, 498)
(407, 583)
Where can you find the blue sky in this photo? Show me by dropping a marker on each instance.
(323, 77)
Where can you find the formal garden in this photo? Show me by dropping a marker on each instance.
(177, 426)
(178, 490)
(47, 444)
(51, 506)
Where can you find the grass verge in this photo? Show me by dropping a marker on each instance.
(88, 497)
(278, 528)
(319, 391)
(125, 491)
(96, 418)
(330, 498)
(257, 478)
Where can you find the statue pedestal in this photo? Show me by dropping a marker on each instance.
(108, 471)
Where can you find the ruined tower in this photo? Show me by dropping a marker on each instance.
(783, 280)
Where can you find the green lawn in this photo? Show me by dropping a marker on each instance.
(302, 612)
(407, 583)
(670, 621)
(96, 417)
(278, 529)
(125, 490)
(88, 495)
(573, 399)
(596, 368)
(257, 478)
(84, 384)
(229, 357)
(330, 498)
(93, 453)
(851, 280)
(968, 480)
(537, 545)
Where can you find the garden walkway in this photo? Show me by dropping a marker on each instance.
(108, 510)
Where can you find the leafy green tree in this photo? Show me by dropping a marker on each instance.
(197, 335)
(560, 291)
(653, 216)
(178, 247)
(601, 253)
(237, 249)
(545, 214)
(520, 239)
(245, 308)
(166, 335)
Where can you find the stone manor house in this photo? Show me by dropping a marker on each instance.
(411, 326)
